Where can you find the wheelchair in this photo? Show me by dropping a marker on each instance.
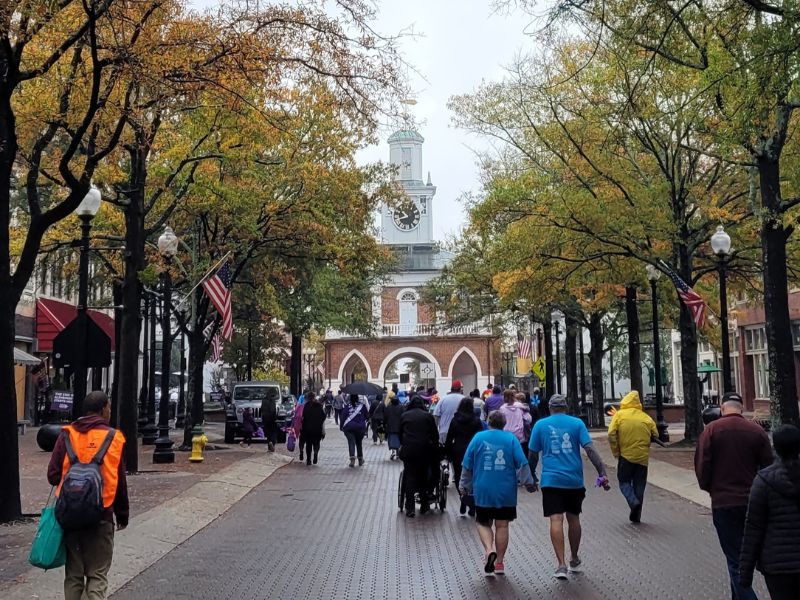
(437, 495)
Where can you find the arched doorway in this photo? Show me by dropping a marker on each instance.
(465, 367)
(410, 367)
(354, 368)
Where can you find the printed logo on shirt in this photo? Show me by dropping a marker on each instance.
(566, 443)
(500, 461)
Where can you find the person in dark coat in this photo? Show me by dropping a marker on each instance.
(419, 444)
(391, 424)
(772, 527)
(313, 428)
(376, 419)
(353, 423)
(464, 426)
(269, 419)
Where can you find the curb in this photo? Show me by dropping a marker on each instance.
(159, 530)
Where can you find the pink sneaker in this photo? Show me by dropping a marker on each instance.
(499, 568)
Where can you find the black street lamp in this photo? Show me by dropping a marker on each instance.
(653, 275)
(558, 358)
(180, 414)
(721, 245)
(86, 210)
(150, 431)
(310, 356)
(168, 247)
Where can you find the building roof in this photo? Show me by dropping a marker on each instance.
(53, 316)
(406, 135)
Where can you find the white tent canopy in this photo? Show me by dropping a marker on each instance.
(23, 358)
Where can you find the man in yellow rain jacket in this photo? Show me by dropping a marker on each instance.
(629, 435)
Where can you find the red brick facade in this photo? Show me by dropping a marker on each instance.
(442, 349)
(390, 307)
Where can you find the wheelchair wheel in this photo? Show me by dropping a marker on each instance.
(401, 492)
(444, 478)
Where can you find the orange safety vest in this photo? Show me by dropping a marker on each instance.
(86, 446)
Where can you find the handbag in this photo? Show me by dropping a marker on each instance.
(290, 441)
(48, 550)
(259, 433)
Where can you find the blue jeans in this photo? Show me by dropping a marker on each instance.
(729, 523)
(632, 481)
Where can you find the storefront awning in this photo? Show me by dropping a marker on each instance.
(23, 358)
(52, 316)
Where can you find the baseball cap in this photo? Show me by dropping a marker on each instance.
(457, 384)
(558, 401)
(732, 396)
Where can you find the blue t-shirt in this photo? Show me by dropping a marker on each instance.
(559, 438)
(494, 456)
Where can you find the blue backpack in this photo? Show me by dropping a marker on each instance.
(80, 503)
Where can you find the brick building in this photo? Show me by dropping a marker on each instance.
(405, 328)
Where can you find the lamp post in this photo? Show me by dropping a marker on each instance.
(168, 247)
(86, 211)
(721, 245)
(654, 275)
(150, 431)
(310, 355)
(180, 414)
(558, 358)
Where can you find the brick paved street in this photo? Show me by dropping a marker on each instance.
(334, 532)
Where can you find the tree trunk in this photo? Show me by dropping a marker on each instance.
(10, 503)
(549, 374)
(634, 348)
(296, 365)
(571, 363)
(197, 359)
(596, 340)
(780, 349)
(691, 384)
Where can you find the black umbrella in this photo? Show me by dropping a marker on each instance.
(363, 388)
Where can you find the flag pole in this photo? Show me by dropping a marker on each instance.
(665, 266)
(202, 279)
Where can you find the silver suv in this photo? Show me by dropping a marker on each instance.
(250, 394)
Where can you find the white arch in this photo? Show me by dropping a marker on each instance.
(408, 350)
(408, 290)
(461, 351)
(347, 358)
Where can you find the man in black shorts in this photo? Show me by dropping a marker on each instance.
(560, 438)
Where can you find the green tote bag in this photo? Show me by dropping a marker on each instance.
(48, 550)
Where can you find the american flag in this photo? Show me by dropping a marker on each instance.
(216, 343)
(218, 289)
(693, 301)
(523, 346)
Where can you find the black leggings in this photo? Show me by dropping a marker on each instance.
(783, 587)
(416, 479)
(311, 442)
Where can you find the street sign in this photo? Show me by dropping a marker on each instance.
(538, 368)
(427, 370)
(62, 401)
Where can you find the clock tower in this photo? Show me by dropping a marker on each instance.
(410, 222)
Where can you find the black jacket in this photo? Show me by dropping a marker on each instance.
(269, 411)
(419, 436)
(391, 417)
(376, 410)
(772, 529)
(462, 429)
(313, 420)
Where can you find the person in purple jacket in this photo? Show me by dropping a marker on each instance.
(353, 422)
(493, 402)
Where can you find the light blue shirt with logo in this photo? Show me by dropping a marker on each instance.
(559, 439)
(494, 457)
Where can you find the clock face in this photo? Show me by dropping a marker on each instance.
(406, 216)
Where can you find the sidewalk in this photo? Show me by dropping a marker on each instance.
(662, 470)
(159, 494)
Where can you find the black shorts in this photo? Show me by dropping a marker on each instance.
(557, 501)
(486, 514)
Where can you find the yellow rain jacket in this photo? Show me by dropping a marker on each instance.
(630, 431)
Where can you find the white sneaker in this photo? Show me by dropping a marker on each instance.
(575, 566)
(561, 572)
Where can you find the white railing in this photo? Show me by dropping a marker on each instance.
(418, 330)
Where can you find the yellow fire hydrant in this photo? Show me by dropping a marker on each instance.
(199, 441)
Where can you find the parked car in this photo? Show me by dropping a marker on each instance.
(250, 394)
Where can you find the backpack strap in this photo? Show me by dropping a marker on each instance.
(101, 452)
(73, 458)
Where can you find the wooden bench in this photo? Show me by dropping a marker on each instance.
(22, 425)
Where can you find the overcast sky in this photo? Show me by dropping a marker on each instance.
(458, 44)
